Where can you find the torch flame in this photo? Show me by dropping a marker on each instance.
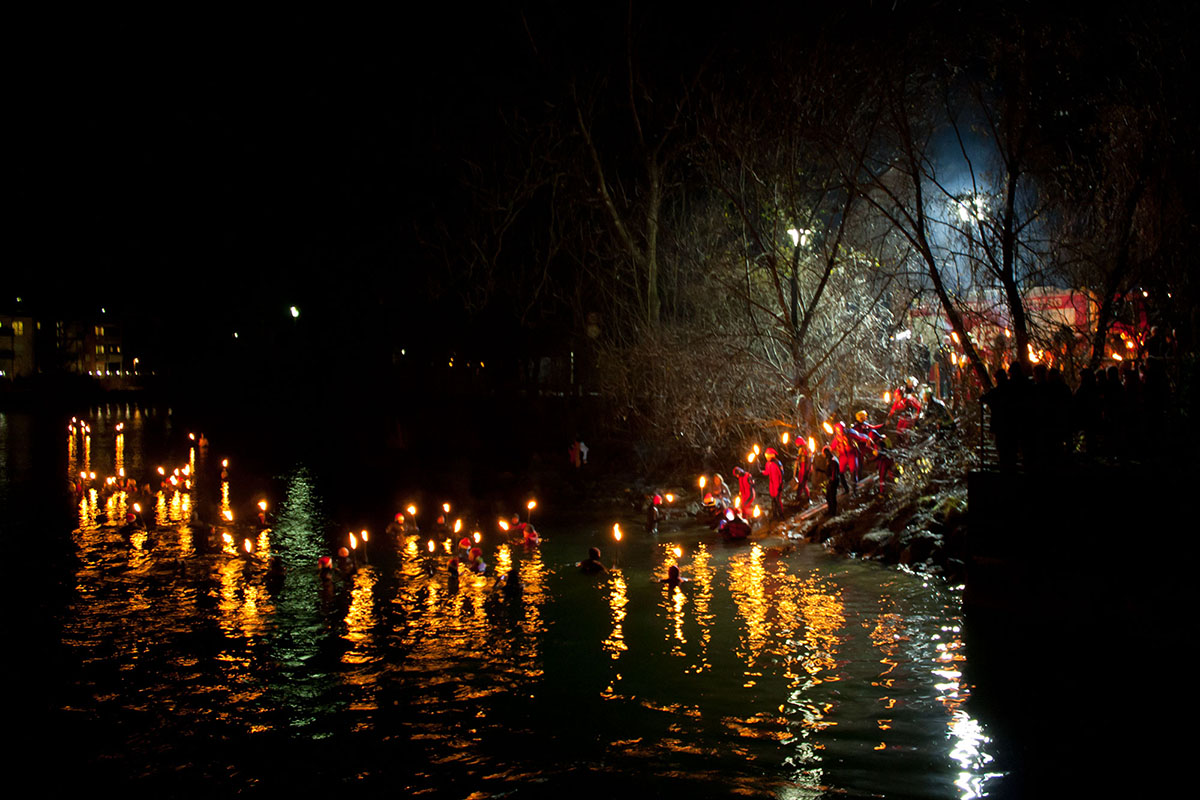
(446, 507)
(784, 437)
(503, 525)
(531, 505)
(617, 531)
(757, 511)
(678, 551)
(703, 480)
(478, 537)
(750, 457)
(812, 445)
(353, 542)
(670, 498)
(363, 534)
(457, 525)
(262, 504)
(828, 428)
(757, 450)
(412, 510)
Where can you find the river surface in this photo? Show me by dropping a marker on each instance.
(182, 667)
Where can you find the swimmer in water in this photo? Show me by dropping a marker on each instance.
(673, 578)
(509, 583)
(592, 564)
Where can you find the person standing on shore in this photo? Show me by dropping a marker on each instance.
(774, 475)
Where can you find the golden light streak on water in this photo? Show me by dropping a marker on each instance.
(703, 579)
(618, 599)
(747, 578)
(824, 614)
(72, 454)
(675, 603)
(360, 618)
(225, 507)
(243, 605)
(160, 509)
(87, 453)
(503, 559)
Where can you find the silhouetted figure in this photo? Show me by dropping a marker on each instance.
(592, 564)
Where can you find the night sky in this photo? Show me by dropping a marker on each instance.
(212, 170)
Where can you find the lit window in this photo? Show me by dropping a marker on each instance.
(18, 328)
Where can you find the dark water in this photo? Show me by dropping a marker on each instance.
(181, 670)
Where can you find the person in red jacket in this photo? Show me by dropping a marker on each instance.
(800, 475)
(906, 409)
(774, 474)
(847, 457)
(873, 441)
(745, 492)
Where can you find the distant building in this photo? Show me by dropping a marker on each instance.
(16, 346)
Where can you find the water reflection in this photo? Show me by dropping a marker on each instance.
(765, 673)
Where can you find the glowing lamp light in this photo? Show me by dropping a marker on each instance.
(412, 511)
(828, 428)
(478, 537)
(295, 312)
(262, 504)
(228, 514)
(617, 531)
